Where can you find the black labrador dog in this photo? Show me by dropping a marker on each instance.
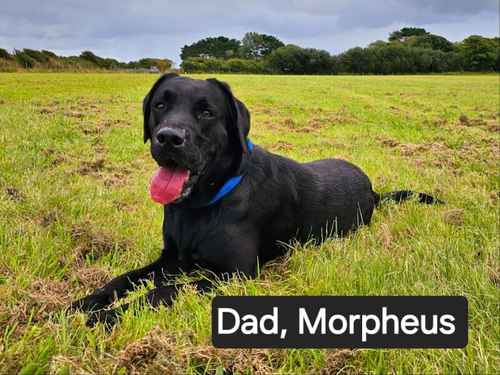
(229, 205)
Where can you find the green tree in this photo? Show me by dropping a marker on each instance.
(432, 41)
(4, 54)
(292, 59)
(38, 56)
(256, 46)
(24, 60)
(90, 56)
(354, 60)
(161, 64)
(377, 44)
(49, 54)
(480, 53)
(406, 32)
(218, 47)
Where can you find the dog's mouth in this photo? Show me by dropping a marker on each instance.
(172, 183)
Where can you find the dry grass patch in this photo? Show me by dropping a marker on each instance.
(281, 146)
(34, 304)
(454, 217)
(101, 169)
(91, 167)
(338, 362)
(159, 351)
(93, 243)
(92, 277)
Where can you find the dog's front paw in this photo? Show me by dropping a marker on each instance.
(107, 317)
(94, 302)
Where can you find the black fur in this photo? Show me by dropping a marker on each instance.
(278, 199)
(400, 196)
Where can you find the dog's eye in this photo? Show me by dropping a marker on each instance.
(160, 105)
(205, 114)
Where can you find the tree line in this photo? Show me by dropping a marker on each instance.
(408, 50)
(86, 61)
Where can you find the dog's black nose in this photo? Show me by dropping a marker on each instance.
(171, 137)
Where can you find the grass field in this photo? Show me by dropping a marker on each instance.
(75, 211)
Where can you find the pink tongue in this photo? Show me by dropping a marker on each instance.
(166, 184)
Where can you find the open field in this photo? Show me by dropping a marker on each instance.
(74, 211)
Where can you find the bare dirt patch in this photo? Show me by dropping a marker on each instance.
(289, 122)
(163, 353)
(493, 126)
(493, 270)
(78, 109)
(409, 149)
(139, 354)
(454, 217)
(484, 151)
(337, 360)
(92, 243)
(323, 119)
(307, 129)
(91, 277)
(47, 110)
(109, 174)
(342, 116)
(464, 120)
(113, 123)
(4, 271)
(74, 114)
(436, 154)
(97, 128)
(495, 196)
(89, 129)
(37, 302)
(116, 177)
(49, 295)
(47, 218)
(15, 194)
(87, 105)
(91, 167)
(158, 351)
(388, 142)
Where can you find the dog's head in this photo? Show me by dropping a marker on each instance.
(197, 130)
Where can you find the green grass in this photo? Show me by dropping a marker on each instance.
(74, 211)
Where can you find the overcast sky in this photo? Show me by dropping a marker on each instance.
(132, 29)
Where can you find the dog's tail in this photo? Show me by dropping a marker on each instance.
(400, 196)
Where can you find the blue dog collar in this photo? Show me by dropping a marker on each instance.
(230, 184)
(249, 145)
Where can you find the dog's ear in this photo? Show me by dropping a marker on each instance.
(239, 115)
(146, 103)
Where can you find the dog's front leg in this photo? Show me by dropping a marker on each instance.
(161, 295)
(240, 263)
(166, 266)
(165, 295)
(239, 260)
